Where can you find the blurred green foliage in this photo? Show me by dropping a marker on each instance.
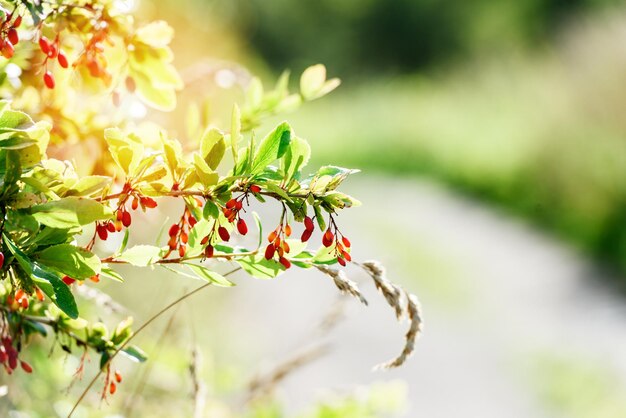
(366, 37)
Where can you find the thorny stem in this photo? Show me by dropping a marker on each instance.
(141, 328)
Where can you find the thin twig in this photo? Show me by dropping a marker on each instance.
(141, 328)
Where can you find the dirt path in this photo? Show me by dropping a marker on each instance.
(499, 298)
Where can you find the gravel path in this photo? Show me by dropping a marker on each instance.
(494, 292)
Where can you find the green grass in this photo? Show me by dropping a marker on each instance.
(535, 135)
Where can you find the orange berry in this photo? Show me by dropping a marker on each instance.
(118, 376)
(184, 237)
(130, 84)
(112, 388)
(8, 50)
(288, 230)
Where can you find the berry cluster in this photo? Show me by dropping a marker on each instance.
(9, 36)
(123, 218)
(232, 213)
(9, 356)
(111, 384)
(20, 299)
(52, 50)
(179, 234)
(340, 242)
(93, 57)
(278, 245)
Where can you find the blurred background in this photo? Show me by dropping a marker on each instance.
(492, 138)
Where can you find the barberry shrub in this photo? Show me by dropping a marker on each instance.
(54, 215)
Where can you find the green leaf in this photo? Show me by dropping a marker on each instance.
(312, 80)
(235, 132)
(296, 157)
(58, 292)
(141, 255)
(212, 147)
(75, 262)
(70, 212)
(210, 210)
(257, 266)
(89, 185)
(111, 274)
(209, 275)
(200, 230)
(135, 353)
(273, 146)
(320, 218)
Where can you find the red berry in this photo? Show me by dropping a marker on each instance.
(346, 242)
(13, 36)
(24, 303)
(272, 236)
(223, 233)
(111, 227)
(126, 219)
(135, 203)
(53, 52)
(192, 221)
(12, 359)
(48, 80)
(44, 44)
(306, 235)
(208, 251)
(39, 294)
(18, 22)
(112, 388)
(286, 247)
(102, 232)
(26, 367)
(238, 205)
(181, 250)
(3, 355)
(184, 237)
(242, 227)
(204, 240)
(118, 376)
(346, 255)
(68, 280)
(308, 224)
(255, 189)
(341, 261)
(1, 259)
(172, 243)
(231, 203)
(148, 202)
(63, 61)
(8, 50)
(286, 263)
(174, 230)
(269, 251)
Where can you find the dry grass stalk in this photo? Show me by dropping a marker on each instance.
(403, 303)
(342, 282)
